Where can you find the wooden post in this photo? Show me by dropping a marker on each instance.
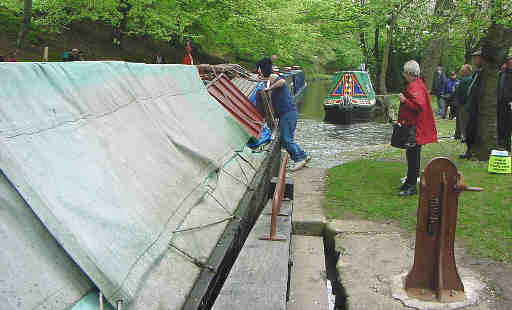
(45, 53)
(276, 203)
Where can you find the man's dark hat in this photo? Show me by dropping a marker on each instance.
(478, 52)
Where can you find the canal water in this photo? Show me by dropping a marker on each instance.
(328, 142)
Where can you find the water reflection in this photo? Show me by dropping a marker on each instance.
(328, 142)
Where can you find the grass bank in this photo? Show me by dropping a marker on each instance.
(368, 188)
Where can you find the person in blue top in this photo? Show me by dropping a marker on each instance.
(288, 115)
(447, 94)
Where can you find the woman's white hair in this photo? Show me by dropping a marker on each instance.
(412, 68)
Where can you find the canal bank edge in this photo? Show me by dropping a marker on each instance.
(209, 283)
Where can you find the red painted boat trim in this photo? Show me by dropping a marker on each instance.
(233, 100)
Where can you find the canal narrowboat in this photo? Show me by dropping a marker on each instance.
(124, 182)
(351, 98)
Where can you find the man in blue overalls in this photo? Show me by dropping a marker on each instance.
(288, 115)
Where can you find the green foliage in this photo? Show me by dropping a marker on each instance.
(9, 20)
(337, 33)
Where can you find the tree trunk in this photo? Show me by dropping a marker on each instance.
(494, 49)
(364, 48)
(433, 52)
(376, 54)
(382, 90)
(27, 17)
(124, 8)
(362, 39)
(431, 60)
(467, 56)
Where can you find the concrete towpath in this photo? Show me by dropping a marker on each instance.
(373, 259)
(308, 211)
(308, 280)
(372, 256)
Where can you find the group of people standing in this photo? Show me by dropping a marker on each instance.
(444, 88)
(462, 97)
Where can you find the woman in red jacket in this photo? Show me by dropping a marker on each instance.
(415, 109)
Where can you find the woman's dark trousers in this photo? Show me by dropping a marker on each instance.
(413, 164)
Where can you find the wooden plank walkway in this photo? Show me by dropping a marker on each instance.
(259, 277)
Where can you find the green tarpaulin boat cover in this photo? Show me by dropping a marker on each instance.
(105, 165)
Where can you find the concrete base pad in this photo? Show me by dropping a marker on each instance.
(371, 256)
(472, 290)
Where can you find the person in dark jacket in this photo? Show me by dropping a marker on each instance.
(415, 109)
(447, 95)
(265, 65)
(437, 89)
(286, 110)
(460, 100)
(473, 96)
(504, 108)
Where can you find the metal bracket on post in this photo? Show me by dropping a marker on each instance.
(434, 275)
(276, 203)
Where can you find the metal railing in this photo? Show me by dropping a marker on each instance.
(276, 202)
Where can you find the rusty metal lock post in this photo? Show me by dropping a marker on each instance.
(434, 275)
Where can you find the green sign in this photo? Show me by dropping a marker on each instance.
(500, 164)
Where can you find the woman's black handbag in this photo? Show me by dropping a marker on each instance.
(404, 136)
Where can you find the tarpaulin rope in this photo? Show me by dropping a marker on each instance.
(243, 172)
(219, 203)
(237, 179)
(204, 225)
(194, 260)
(246, 160)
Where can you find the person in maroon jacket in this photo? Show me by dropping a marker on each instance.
(415, 109)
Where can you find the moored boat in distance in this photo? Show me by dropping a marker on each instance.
(351, 98)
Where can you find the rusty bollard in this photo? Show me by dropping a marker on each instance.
(434, 275)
